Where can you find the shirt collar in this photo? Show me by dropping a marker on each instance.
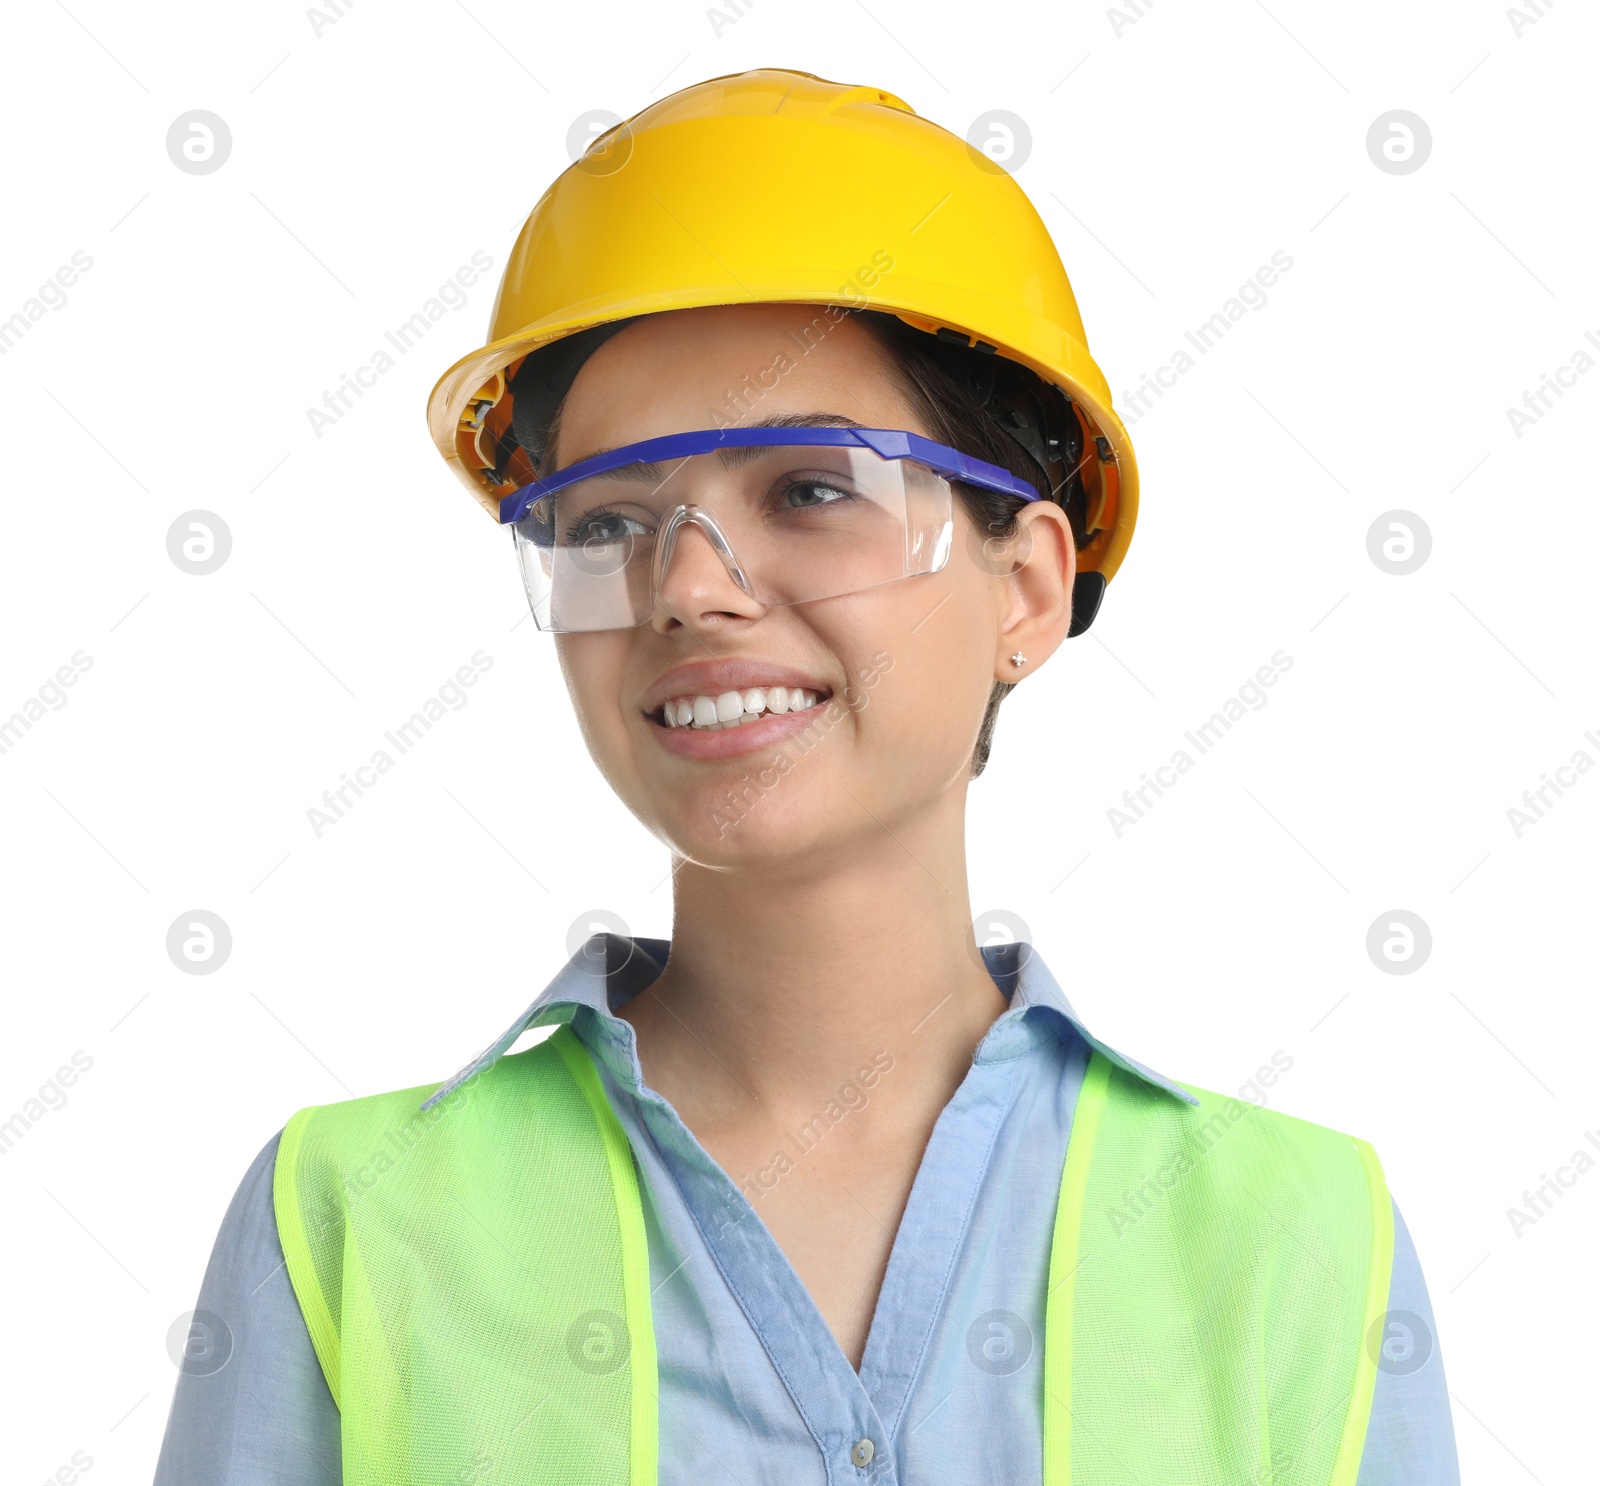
(610, 969)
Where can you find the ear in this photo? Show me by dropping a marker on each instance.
(1036, 597)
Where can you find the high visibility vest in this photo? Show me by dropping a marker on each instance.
(476, 1282)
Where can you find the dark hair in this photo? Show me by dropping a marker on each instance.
(943, 383)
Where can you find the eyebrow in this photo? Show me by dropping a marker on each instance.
(743, 454)
(731, 458)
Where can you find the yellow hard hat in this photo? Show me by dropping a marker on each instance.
(773, 185)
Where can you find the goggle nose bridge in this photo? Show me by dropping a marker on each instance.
(667, 540)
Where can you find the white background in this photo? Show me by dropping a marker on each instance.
(1172, 154)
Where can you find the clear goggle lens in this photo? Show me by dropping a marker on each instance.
(791, 523)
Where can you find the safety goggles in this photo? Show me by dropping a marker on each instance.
(795, 514)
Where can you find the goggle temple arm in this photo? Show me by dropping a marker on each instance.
(943, 460)
(885, 443)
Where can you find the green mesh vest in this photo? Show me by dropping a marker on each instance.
(476, 1282)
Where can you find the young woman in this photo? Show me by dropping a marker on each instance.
(788, 407)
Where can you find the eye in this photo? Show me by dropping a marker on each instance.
(604, 524)
(808, 492)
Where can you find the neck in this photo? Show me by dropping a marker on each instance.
(784, 985)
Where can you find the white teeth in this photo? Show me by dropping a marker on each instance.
(731, 709)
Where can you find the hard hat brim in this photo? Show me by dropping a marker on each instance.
(961, 310)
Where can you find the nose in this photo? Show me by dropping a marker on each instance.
(698, 572)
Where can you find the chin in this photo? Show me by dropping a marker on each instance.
(743, 825)
(766, 814)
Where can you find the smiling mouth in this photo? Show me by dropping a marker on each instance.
(731, 709)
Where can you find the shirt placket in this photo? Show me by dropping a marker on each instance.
(825, 1390)
(854, 1418)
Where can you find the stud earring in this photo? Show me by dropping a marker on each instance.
(1019, 660)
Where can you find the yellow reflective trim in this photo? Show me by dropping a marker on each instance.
(1379, 1274)
(644, 1436)
(1064, 1262)
(297, 1248)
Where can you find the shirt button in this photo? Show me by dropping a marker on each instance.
(861, 1452)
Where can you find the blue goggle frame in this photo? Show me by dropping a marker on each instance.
(886, 443)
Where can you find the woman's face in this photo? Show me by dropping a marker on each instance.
(904, 669)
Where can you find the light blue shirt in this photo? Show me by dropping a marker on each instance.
(754, 1388)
